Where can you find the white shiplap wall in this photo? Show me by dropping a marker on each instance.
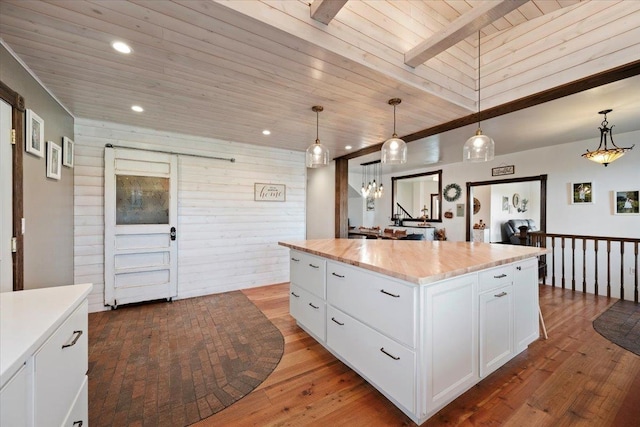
(226, 240)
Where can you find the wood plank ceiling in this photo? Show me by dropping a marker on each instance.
(229, 69)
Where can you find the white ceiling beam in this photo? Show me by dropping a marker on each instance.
(461, 28)
(325, 10)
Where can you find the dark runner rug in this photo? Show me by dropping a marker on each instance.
(620, 324)
(173, 364)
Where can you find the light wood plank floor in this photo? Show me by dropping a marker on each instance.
(575, 378)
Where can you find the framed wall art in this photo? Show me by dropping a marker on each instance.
(67, 152)
(269, 192)
(34, 138)
(54, 160)
(626, 202)
(581, 193)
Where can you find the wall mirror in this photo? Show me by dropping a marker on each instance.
(417, 197)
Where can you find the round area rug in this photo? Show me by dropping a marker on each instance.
(620, 324)
(177, 363)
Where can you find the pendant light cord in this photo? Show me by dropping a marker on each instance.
(479, 85)
(317, 126)
(394, 120)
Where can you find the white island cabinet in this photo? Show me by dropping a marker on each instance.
(421, 321)
(44, 357)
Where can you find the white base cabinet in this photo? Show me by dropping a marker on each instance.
(420, 345)
(44, 357)
(449, 348)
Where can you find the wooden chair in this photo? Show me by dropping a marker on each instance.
(399, 234)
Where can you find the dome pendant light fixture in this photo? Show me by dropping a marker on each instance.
(478, 148)
(394, 149)
(606, 155)
(317, 154)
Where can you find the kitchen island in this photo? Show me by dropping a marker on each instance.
(422, 321)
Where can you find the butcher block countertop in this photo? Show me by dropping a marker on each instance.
(420, 262)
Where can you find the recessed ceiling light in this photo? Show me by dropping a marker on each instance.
(137, 108)
(121, 47)
(266, 132)
(348, 147)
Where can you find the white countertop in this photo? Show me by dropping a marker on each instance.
(27, 318)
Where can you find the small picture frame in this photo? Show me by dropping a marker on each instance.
(67, 152)
(34, 140)
(581, 193)
(54, 160)
(371, 203)
(626, 202)
(505, 203)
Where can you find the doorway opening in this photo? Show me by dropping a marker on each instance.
(503, 199)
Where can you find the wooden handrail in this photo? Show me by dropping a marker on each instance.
(542, 239)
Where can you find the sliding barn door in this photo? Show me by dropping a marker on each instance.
(141, 207)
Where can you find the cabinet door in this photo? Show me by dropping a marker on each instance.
(14, 400)
(525, 296)
(450, 340)
(496, 329)
(309, 311)
(308, 272)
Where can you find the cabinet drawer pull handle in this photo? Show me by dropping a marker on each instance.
(294, 259)
(334, 319)
(78, 423)
(500, 295)
(337, 275)
(75, 340)
(390, 294)
(389, 354)
(519, 268)
(500, 276)
(314, 266)
(294, 294)
(311, 304)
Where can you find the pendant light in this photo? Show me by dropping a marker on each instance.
(478, 148)
(378, 189)
(394, 149)
(373, 188)
(317, 154)
(606, 155)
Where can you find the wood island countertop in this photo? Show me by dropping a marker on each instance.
(420, 262)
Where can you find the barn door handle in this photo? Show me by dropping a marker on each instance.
(172, 233)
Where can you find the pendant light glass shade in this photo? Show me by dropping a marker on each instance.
(478, 148)
(394, 149)
(317, 154)
(605, 155)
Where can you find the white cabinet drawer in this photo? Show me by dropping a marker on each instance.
(308, 310)
(308, 272)
(383, 362)
(380, 302)
(60, 367)
(78, 415)
(495, 277)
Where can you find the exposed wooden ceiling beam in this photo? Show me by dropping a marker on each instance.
(613, 75)
(325, 10)
(461, 28)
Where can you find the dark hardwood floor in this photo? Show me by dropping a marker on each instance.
(575, 378)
